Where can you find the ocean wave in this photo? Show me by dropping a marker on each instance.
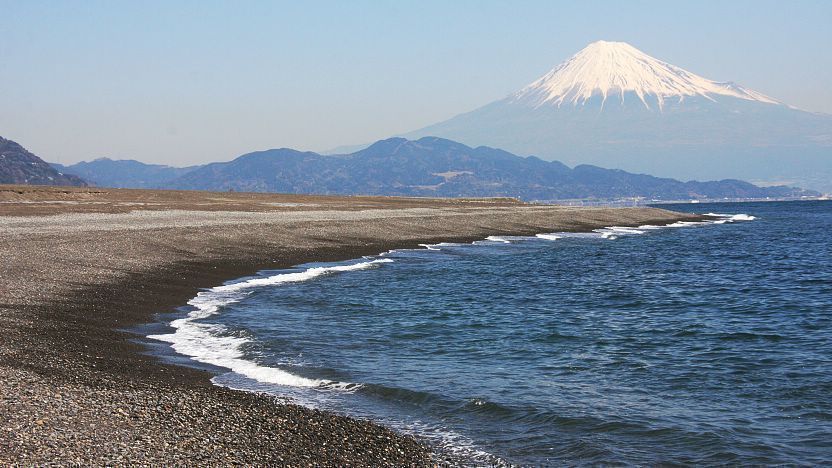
(731, 217)
(570, 235)
(439, 245)
(212, 344)
(453, 443)
(735, 336)
(305, 275)
(681, 224)
(610, 232)
(549, 236)
(613, 232)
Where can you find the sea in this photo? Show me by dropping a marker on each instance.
(693, 343)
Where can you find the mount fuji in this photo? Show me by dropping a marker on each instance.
(614, 106)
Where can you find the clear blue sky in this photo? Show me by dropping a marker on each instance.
(181, 82)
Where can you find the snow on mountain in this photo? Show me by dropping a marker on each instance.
(613, 69)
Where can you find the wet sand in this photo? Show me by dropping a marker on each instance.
(80, 267)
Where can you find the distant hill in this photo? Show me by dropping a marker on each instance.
(126, 173)
(19, 166)
(437, 167)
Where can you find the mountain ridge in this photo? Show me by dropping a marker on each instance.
(20, 166)
(124, 173)
(430, 166)
(439, 167)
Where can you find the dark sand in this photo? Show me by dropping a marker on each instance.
(79, 266)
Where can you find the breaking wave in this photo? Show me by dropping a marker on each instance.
(213, 344)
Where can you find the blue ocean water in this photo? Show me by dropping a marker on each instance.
(700, 344)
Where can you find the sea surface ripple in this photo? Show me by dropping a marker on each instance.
(691, 344)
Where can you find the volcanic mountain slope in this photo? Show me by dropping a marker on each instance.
(614, 70)
(615, 106)
(443, 168)
(18, 166)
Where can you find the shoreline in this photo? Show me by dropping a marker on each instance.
(68, 342)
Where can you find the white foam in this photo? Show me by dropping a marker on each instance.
(451, 441)
(211, 343)
(295, 277)
(439, 245)
(731, 218)
(626, 230)
(576, 235)
(679, 224)
(549, 236)
(613, 232)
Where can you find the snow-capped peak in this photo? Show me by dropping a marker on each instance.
(613, 69)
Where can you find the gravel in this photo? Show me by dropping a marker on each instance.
(82, 266)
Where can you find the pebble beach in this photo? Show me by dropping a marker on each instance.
(82, 267)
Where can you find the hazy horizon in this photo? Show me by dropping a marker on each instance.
(192, 82)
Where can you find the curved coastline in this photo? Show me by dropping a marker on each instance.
(190, 342)
(85, 391)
